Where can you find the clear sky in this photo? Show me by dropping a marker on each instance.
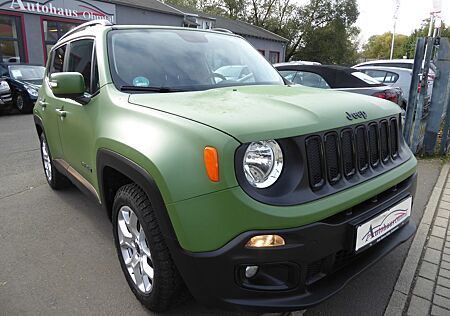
(376, 16)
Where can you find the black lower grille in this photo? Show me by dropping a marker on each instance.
(314, 156)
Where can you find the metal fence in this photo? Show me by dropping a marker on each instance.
(427, 120)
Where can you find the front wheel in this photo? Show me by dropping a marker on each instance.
(143, 254)
(23, 105)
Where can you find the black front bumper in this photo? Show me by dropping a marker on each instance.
(317, 261)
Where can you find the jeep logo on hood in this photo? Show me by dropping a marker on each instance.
(356, 115)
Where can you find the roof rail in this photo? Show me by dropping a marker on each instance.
(218, 29)
(84, 26)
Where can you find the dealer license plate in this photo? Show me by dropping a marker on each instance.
(382, 225)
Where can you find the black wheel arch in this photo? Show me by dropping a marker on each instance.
(39, 125)
(109, 161)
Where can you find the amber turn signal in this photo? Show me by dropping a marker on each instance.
(262, 241)
(212, 163)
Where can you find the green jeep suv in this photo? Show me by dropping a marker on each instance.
(243, 190)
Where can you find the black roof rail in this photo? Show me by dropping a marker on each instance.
(218, 29)
(84, 26)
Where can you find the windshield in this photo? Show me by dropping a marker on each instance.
(26, 72)
(185, 60)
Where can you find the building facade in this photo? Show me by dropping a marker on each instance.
(28, 29)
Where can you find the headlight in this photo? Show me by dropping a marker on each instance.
(263, 162)
(4, 85)
(32, 92)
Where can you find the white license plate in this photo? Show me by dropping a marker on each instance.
(382, 225)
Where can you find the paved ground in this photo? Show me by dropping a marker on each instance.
(57, 255)
(423, 287)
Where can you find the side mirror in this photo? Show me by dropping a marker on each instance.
(69, 85)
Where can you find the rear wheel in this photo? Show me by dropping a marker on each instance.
(55, 179)
(143, 253)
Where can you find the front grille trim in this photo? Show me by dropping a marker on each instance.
(359, 148)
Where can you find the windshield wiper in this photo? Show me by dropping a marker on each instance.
(150, 89)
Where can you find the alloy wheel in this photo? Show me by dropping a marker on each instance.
(135, 250)
(19, 102)
(46, 160)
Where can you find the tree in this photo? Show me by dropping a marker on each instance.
(379, 46)
(410, 44)
(322, 30)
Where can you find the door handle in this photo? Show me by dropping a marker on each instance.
(61, 113)
(42, 103)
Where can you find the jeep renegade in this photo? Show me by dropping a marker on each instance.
(243, 190)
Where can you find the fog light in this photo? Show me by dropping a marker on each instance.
(250, 271)
(262, 241)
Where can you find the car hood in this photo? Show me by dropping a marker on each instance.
(250, 113)
(35, 84)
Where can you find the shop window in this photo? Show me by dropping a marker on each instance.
(54, 30)
(274, 57)
(11, 41)
(262, 52)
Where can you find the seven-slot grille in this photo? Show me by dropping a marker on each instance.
(351, 150)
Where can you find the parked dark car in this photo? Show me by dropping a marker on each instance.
(339, 78)
(24, 81)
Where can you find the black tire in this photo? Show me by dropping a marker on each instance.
(54, 178)
(168, 289)
(23, 104)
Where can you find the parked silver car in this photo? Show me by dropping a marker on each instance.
(396, 77)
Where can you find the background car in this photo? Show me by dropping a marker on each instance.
(5, 94)
(24, 81)
(401, 63)
(391, 76)
(339, 78)
(233, 72)
(397, 77)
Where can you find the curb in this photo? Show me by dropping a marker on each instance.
(402, 288)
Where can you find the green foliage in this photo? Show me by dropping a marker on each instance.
(320, 30)
(410, 45)
(379, 46)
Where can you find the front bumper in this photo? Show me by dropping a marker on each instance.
(317, 261)
(5, 99)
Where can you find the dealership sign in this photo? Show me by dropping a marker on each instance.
(74, 9)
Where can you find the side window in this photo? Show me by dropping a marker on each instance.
(288, 74)
(3, 71)
(310, 79)
(95, 85)
(376, 74)
(58, 60)
(391, 77)
(80, 60)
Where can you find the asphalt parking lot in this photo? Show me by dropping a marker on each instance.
(57, 255)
